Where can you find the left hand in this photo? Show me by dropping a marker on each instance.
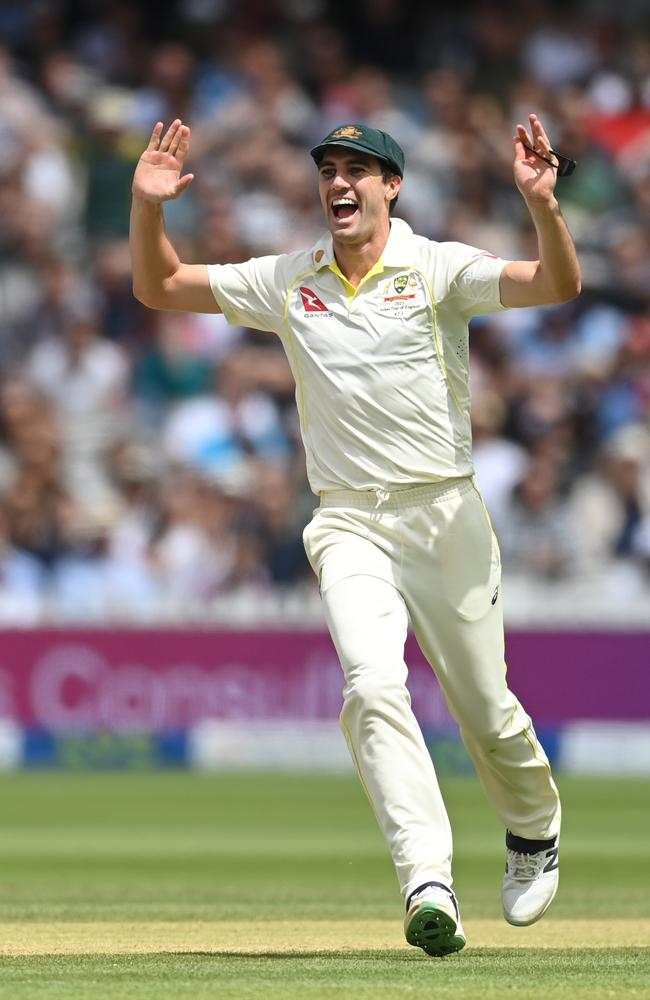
(534, 178)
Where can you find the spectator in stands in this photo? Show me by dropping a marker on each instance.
(22, 582)
(538, 535)
(194, 550)
(612, 507)
(84, 376)
(498, 462)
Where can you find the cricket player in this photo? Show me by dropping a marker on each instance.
(373, 319)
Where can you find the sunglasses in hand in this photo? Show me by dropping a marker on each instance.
(564, 166)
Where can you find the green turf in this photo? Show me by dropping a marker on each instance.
(484, 975)
(169, 847)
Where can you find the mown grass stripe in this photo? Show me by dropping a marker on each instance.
(309, 936)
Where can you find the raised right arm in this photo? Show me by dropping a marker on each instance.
(160, 279)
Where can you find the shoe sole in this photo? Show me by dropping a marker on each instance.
(538, 916)
(433, 930)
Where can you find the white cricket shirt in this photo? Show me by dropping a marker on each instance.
(381, 371)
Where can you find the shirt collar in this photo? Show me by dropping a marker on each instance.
(398, 251)
(399, 246)
(322, 253)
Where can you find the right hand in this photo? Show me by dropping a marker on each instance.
(534, 176)
(157, 176)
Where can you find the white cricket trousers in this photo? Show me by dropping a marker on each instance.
(427, 554)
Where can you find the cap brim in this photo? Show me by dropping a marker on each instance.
(318, 151)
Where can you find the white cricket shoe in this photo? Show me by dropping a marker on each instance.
(432, 920)
(531, 879)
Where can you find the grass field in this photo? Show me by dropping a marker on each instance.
(181, 885)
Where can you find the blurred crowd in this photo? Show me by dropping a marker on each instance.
(150, 464)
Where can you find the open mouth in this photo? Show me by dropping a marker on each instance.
(344, 208)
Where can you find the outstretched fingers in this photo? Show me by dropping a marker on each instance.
(180, 143)
(535, 141)
(175, 141)
(523, 135)
(542, 141)
(154, 141)
(184, 143)
(169, 136)
(183, 183)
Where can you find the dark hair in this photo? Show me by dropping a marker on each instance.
(386, 174)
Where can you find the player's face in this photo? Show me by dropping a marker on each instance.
(354, 195)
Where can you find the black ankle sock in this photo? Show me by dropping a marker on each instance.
(436, 885)
(524, 846)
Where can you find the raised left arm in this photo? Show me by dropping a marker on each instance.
(555, 277)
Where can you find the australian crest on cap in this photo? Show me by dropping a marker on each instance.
(347, 132)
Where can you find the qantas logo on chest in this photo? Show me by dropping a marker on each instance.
(311, 302)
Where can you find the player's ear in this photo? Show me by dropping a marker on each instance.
(393, 185)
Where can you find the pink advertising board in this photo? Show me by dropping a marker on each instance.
(76, 680)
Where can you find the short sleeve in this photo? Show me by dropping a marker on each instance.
(474, 281)
(250, 294)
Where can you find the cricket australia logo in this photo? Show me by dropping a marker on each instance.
(403, 292)
(401, 287)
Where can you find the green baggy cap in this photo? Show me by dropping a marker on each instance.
(367, 140)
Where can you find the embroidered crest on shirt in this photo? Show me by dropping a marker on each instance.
(401, 294)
